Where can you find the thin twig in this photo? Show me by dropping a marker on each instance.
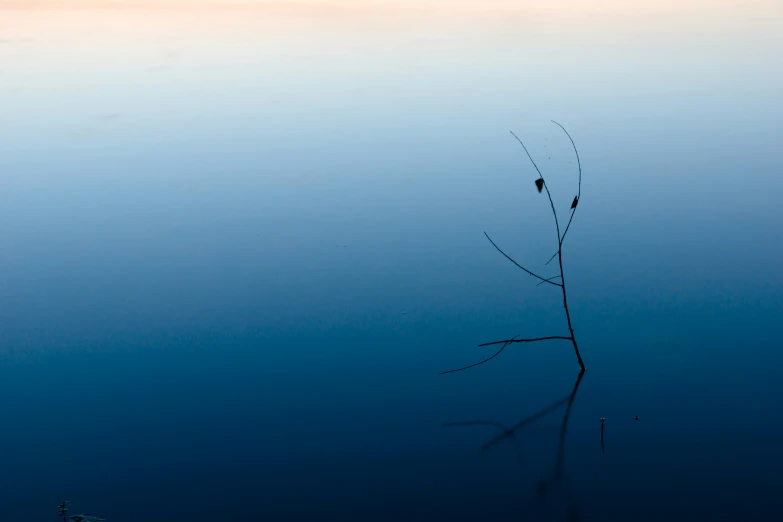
(506, 343)
(515, 340)
(578, 195)
(542, 282)
(551, 258)
(485, 360)
(518, 265)
(549, 194)
(579, 189)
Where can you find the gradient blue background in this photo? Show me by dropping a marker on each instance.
(211, 219)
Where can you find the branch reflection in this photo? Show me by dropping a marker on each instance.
(557, 481)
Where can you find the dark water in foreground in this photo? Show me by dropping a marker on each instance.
(236, 251)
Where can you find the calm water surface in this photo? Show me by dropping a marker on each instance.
(239, 241)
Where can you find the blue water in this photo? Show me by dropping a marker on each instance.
(232, 267)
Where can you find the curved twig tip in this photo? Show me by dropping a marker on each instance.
(485, 360)
(579, 188)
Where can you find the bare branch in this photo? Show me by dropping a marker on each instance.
(485, 360)
(579, 189)
(541, 183)
(520, 266)
(515, 340)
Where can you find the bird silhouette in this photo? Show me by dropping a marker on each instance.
(540, 184)
(575, 202)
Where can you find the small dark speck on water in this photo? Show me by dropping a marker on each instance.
(636, 418)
